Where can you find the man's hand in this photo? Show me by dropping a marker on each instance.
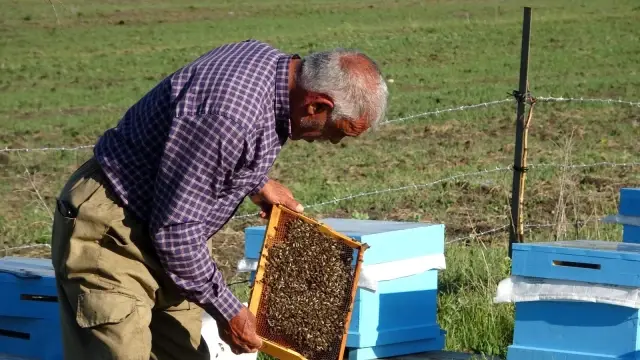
(240, 333)
(274, 193)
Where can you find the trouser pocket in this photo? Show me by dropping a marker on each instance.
(78, 189)
(103, 307)
(64, 221)
(116, 326)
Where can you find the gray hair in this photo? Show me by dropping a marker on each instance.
(355, 91)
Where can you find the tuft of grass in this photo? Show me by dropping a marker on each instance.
(465, 309)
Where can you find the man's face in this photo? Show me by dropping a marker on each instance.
(313, 124)
(336, 130)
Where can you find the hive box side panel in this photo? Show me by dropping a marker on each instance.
(29, 299)
(404, 244)
(562, 326)
(401, 310)
(253, 240)
(32, 338)
(446, 355)
(580, 267)
(587, 248)
(631, 234)
(524, 353)
(629, 202)
(28, 288)
(398, 349)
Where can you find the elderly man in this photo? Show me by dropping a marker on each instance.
(130, 236)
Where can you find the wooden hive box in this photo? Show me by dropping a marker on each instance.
(576, 330)
(399, 318)
(29, 315)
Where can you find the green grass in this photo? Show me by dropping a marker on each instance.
(64, 84)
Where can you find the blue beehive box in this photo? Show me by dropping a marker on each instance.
(630, 206)
(400, 317)
(574, 330)
(29, 314)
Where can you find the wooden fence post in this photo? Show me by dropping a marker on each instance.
(516, 230)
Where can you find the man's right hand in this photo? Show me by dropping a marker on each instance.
(274, 193)
(240, 333)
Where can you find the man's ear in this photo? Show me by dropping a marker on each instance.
(319, 103)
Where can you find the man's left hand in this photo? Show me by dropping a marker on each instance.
(274, 193)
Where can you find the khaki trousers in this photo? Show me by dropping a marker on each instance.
(115, 300)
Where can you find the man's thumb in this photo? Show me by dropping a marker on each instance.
(251, 338)
(256, 343)
(294, 205)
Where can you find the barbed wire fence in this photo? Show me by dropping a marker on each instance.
(392, 121)
(408, 187)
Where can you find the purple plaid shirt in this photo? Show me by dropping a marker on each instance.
(185, 155)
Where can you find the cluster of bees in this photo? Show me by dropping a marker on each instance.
(309, 278)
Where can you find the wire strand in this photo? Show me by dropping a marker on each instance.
(401, 119)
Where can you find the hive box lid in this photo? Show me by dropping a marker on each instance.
(15, 268)
(595, 261)
(388, 240)
(355, 227)
(28, 288)
(629, 202)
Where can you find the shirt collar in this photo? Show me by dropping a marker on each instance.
(281, 102)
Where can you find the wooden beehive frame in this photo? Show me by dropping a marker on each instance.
(270, 347)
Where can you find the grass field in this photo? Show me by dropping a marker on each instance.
(64, 84)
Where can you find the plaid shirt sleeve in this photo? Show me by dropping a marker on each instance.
(266, 154)
(203, 161)
(261, 183)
